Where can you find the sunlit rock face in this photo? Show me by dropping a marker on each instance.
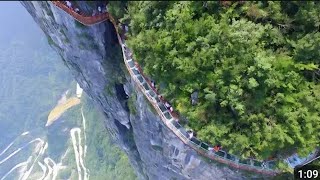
(93, 56)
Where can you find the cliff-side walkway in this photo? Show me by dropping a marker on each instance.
(169, 117)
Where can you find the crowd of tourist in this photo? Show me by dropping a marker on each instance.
(99, 10)
(72, 6)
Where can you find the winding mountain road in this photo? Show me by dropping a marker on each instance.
(44, 170)
(20, 148)
(42, 149)
(23, 134)
(78, 152)
(25, 164)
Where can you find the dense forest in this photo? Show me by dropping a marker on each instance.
(254, 65)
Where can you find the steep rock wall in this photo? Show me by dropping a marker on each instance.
(93, 56)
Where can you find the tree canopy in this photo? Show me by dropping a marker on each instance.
(254, 64)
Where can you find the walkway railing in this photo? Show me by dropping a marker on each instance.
(170, 119)
(83, 19)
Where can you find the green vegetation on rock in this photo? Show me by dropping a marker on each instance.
(131, 104)
(117, 8)
(105, 160)
(254, 64)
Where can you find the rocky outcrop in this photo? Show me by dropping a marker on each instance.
(94, 57)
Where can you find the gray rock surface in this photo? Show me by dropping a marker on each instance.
(94, 58)
(194, 98)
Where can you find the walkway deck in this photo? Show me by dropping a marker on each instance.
(83, 19)
(170, 119)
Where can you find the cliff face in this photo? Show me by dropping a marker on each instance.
(93, 56)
